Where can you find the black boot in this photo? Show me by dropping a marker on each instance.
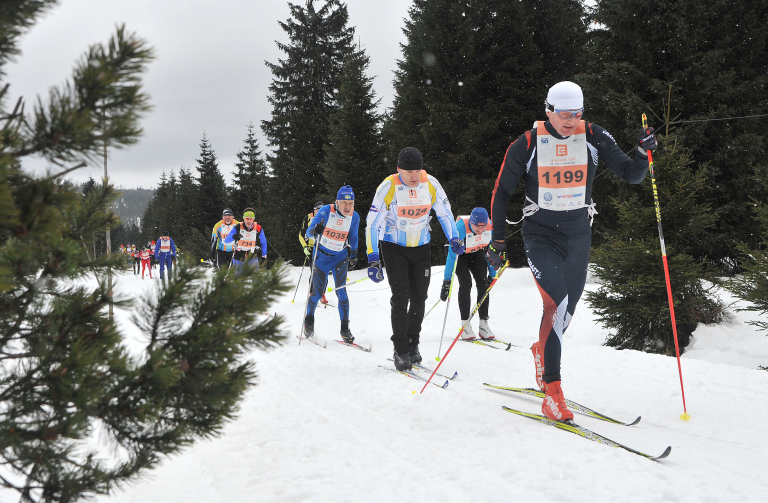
(414, 352)
(345, 333)
(402, 361)
(309, 326)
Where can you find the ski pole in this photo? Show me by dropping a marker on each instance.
(471, 315)
(299, 282)
(431, 308)
(447, 303)
(309, 290)
(684, 416)
(330, 289)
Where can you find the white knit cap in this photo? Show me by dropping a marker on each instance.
(565, 96)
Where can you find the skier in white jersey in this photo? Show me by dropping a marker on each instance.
(399, 219)
(558, 159)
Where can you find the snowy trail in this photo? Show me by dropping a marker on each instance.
(328, 425)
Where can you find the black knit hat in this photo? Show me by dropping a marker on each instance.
(410, 159)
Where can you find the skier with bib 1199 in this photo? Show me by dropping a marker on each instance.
(334, 229)
(399, 218)
(222, 250)
(558, 159)
(246, 235)
(475, 231)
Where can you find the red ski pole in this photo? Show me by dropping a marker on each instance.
(684, 416)
(477, 306)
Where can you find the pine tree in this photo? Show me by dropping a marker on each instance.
(632, 299)
(302, 95)
(710, 59)
(66, 376)
(752, 285)
(354, 154)
(472, 79)
(250, 180)
(211, 190)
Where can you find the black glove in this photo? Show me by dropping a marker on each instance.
(646, 141)
(237, 237)
(318, 230)
(445, 289)
(352, 262)
(497, 253)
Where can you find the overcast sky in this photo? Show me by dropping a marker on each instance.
(208, 77)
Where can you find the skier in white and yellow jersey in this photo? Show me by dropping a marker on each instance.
(399, 219)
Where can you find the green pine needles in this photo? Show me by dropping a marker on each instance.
(68, 376)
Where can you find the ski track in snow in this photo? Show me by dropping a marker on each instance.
(328, 425)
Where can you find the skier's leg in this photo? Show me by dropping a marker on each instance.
(465, 285)
(479, 270)
(398, 278)
(340, 278)
(319, 278)
(419, 276)
(546, 260)
(575, 273)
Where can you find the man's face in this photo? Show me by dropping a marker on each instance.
(478, 229)
(564, 127)
(345, 207)
(315, 212)
(228, 219)
(411, 177)
(248, 221)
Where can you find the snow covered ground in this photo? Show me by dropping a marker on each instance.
(329, 425)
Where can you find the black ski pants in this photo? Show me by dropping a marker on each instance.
(559, 267)
(223, 258)
(408, 272)
(468, 266)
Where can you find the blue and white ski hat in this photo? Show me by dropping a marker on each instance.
(345, 194)
(479, 216)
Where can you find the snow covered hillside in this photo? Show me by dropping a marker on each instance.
(329, 425)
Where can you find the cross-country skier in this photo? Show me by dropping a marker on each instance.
(250, 240)
(145, 264)
(558, 159)
(399, 218)
(165, 252)
(475, 231)
(136, 254)
(308, 244)
(334, 228)
(221, 250)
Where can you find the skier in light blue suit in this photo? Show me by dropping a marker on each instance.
(335, 229)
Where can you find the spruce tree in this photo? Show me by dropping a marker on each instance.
(68, 382)
(211, 191)
(752, 285)
(302, 95)
(354, 154)
(249, 188)
(472, 79)
(632, 299)
(710, 59)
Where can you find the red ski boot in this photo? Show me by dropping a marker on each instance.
(323, 300)
(554, 403)
(539, 361)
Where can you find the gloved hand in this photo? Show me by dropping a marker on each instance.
(307, 251)
(445, 289)
(497, 253)
(237, 237)
(318, 229)
(646, 140)
(374, 268)
(352, 262)
(457, 246)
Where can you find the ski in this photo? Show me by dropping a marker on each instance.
(312, 340)
(414, 376)
(479, 342)
(419, 366)
(572, 427)
(497, 341)
(356, 346)
(571, 404)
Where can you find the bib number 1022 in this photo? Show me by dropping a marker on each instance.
(567, 176)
